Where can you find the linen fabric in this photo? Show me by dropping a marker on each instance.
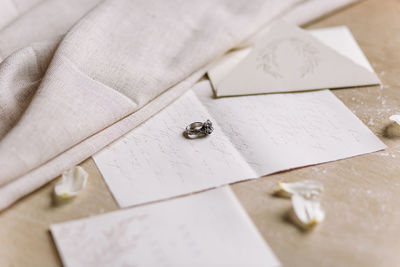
(76, 75)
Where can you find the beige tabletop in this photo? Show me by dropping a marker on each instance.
(362, 226)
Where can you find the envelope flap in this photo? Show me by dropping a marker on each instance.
(287, 59)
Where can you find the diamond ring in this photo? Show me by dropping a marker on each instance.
(199, 129)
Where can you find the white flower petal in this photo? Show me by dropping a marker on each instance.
(305, 188)
(308, 211)
(71, 183)
(395, 118)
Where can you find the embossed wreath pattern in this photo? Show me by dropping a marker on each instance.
(267, 59)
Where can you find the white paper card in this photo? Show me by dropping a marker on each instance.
(206, 229)
(253, 136)
(155, 161)
(283, 131)
(288, 59)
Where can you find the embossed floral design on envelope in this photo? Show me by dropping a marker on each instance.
(288, 58)
(268, 58)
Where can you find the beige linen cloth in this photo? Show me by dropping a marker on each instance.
(75, 75)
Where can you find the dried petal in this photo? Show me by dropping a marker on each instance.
(308, 211)
(395, 118)
(71, 183)
(305, 188)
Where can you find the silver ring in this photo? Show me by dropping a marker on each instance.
(199, 129)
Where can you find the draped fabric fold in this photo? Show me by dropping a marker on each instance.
(66, 95)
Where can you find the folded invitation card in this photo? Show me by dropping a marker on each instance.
(288, 58)
(206, 229)
(253, 136)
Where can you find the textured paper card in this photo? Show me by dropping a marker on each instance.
(206, 229)
(288, 58)
(283, 131)
(155, 161)
(253, 136)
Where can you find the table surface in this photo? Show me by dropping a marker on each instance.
(362, 226)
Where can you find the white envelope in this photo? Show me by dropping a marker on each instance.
(288, 58)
